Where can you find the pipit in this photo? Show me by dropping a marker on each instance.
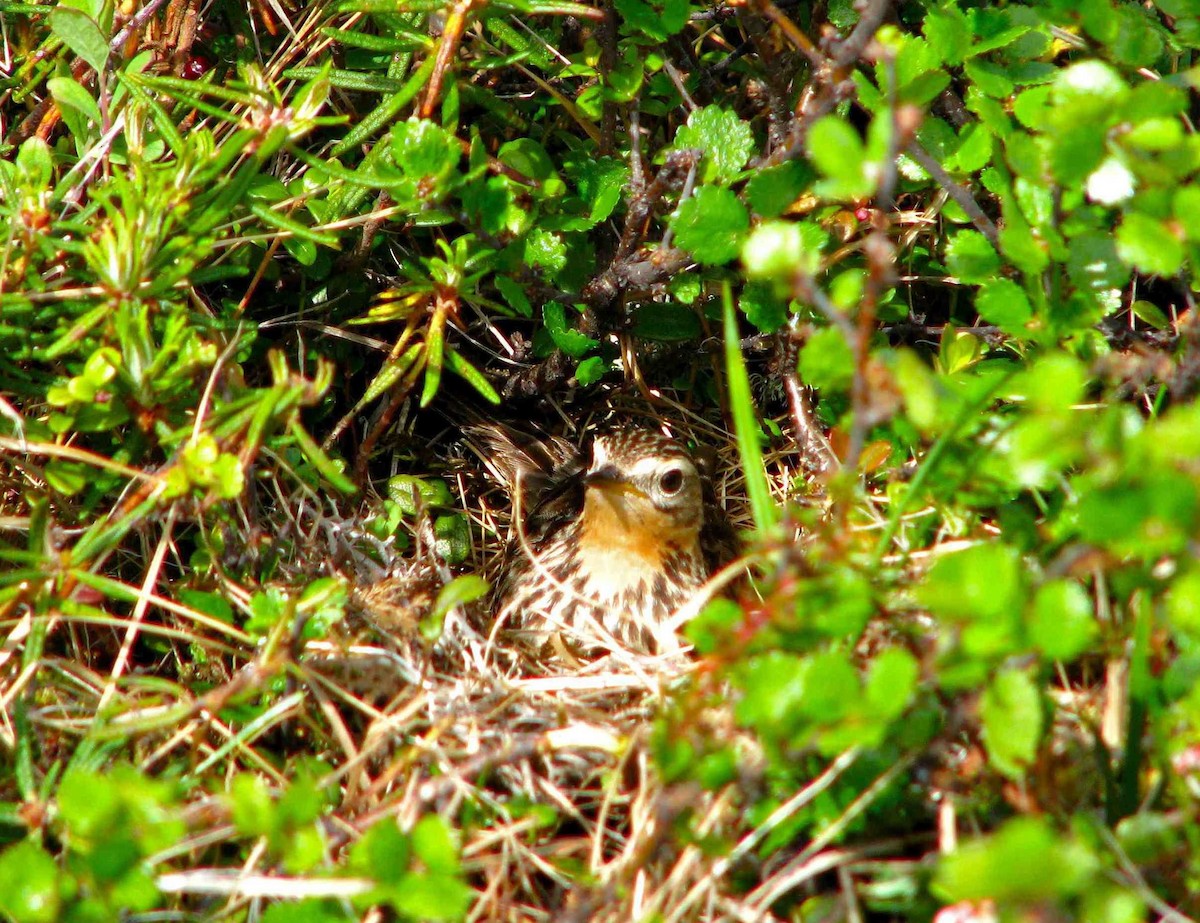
(606, 547)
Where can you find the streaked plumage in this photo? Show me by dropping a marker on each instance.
(605, 547)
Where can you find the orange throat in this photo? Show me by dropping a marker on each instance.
(624, 530)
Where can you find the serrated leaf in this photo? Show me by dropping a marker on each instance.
(971, 257)
(762, 307)
(711, 224)
(1089, 90)
(600, 184)
(948, 33)
(1004, 303)
(546, 250)
(570, 341)
(424, 150)
(726, 140)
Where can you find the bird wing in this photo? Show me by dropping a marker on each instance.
(543, 475)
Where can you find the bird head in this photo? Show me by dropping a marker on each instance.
(643, 481)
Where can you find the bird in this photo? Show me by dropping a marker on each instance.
(608, 544)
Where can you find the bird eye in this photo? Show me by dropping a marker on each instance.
(671, 482)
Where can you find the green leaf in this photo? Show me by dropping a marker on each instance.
(762, 307)
(1075, 152)
(1136, 44)
(838, 152)
(982, 582)
(775, 251)
(31, 884)
(382, 852)
(1089, 91)
(311, 911)
(460, 591)
(971, 257)
(1094, 264)
(472, 376)
(623, 81)
(827, 361)
(432, 897)
(773, 688)
(1142, 517)
(514, 294)
(211, 604)
(571, 342)
(959, 350)
(1156, 134)
(424, 150)
(81, 33)
(600, 184)
(948, 33)
(430, 492)
(1061, 623)
(1051, 384)
(635, 15)
(1149, 245)
(726, 140)
(1011, 710)
(1183, 606)
(714, 625)
(590, 371)
(35, 163)
(974, 150)
(527, 157)
(745, 423)
(452, 538)
(1186, 210)
(546, 250)
(991, 78)
(711, 224)
(1025, 861)
(73, 99)
(252, 809)
(1005, 304)
(891, 682)
(434, 844)
(772, 190)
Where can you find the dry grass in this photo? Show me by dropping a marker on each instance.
(548, 756)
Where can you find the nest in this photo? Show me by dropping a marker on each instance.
(554, 750)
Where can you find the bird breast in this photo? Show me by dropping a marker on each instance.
(626, 543)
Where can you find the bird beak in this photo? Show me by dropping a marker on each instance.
(603, 477)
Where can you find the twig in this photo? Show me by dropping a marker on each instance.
(960, 195)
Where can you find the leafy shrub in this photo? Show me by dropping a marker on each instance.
(949, 249)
